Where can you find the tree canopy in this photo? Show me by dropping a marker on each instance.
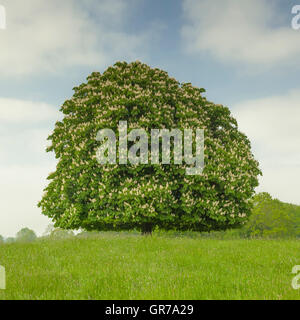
(84, 194)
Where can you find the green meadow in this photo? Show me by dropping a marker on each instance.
(130, 266)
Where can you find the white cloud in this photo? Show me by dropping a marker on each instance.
(48, 36)
(272, 125)
(241, 31)
(21, 189)
(24, 164)
(24, 128)
(14, 111)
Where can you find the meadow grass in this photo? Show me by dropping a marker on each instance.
(123, 266)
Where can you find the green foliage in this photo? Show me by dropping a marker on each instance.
(26, 235)
(84, 194)
(1, 239)
(273, 218)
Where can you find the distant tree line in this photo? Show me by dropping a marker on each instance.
(24, 235)
(28, 235)
(272, 218)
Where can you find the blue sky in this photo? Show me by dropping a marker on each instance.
(244, 53)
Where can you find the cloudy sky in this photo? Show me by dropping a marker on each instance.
(244, 53)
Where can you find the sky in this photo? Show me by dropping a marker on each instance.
(244, 53)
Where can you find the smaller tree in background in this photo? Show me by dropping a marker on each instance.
(48, 230)
(59, 234)
(10, 240)
(1, 239)
(272, 218)
(26, 235)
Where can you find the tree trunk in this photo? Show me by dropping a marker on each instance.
(147, 229)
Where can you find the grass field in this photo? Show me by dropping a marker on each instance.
(122, 266)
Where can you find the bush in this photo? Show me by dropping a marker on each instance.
(59, 234)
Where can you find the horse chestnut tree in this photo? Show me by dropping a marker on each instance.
(85, 194)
